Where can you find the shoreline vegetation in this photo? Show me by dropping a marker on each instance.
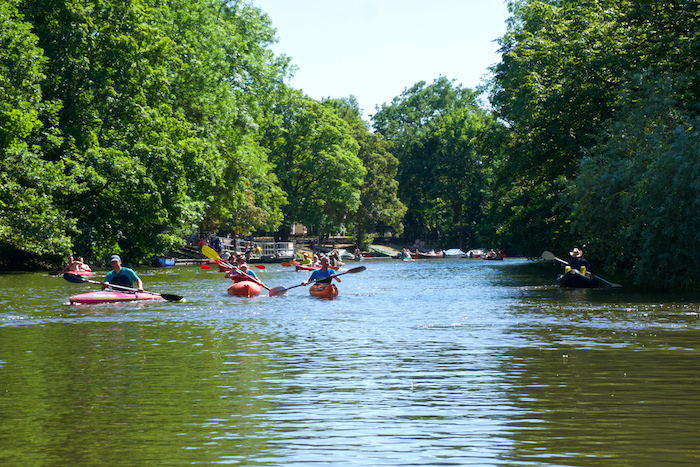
(126, 126)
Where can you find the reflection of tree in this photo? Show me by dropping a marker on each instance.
(616, 405)
(128, 393)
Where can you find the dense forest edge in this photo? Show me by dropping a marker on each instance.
(127, 126)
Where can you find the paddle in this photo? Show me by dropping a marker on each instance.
(287, 264)
(211, 254)
(80, 280)
(205, 267)
(548, 255)
(281, 290)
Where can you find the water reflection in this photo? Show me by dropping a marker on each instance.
(419, 363)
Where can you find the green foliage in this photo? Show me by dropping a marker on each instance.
(645, 174)
(446, 145)
(379, 206)
(556, 83)
(143, 114)
(316, 163)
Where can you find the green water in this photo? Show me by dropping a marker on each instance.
(435, 362)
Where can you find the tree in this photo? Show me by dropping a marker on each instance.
(557, 81)
(438, 133)
(645, 175)
(156, 108)
(379, 202)
(31, 226)
(315, 159)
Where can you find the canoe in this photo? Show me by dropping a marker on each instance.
(573, 279)
(244, 289)
(324, 290)
(112, 296)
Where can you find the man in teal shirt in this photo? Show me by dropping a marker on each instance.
(121, 276)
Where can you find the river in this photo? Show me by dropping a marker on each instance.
(428, 362)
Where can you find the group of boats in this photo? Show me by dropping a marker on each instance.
(479, 253)
(245, 285)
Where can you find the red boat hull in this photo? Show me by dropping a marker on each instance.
(244, 289)
(111, 296)
(328, 291)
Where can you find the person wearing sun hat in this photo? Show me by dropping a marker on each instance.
(122, 276)
(578, 262)
(307, 259)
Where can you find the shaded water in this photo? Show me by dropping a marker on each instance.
(434, 362)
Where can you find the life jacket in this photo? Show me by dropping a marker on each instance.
(122, 280)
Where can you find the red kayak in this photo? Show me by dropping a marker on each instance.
(112, 296)
(244, 289)
(328, 291)
(82, 273)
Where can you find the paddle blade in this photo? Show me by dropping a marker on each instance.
(548, 255)
(260, 266)
(74, 279)
(277, 291)
(206, 268)
(209, 253)
(172, 298)
(354, 270)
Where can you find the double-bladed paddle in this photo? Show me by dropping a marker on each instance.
(81, 280)
(211, 254)
(282, 290)
(548, 255)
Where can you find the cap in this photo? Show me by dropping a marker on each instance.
(114, 258)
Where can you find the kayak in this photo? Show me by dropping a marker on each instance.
(244, 289)
(82, 273)
(112, 296)
(573, 279)
(324, 290)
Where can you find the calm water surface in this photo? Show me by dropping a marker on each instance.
(433, 362)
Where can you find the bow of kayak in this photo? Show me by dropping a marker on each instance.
(244, 289)
(328, 291)
(112, 296)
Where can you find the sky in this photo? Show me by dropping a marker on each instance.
(376, 49)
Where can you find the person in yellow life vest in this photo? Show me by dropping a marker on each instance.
(307, 259)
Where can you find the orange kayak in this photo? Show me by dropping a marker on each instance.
(244, 289)
(324, 291)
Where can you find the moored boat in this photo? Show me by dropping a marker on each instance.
(112, 296)
(431, 254)
(573, 279)
(321, 290)
(244, 289)
(162, 261)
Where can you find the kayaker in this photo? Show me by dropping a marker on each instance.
(578, 262)
(325, 274)
(122, 276)
(76, 265)
(307, 259)
(236, 276)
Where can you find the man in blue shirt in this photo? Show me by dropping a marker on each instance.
(119, 275)
(325, 274)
